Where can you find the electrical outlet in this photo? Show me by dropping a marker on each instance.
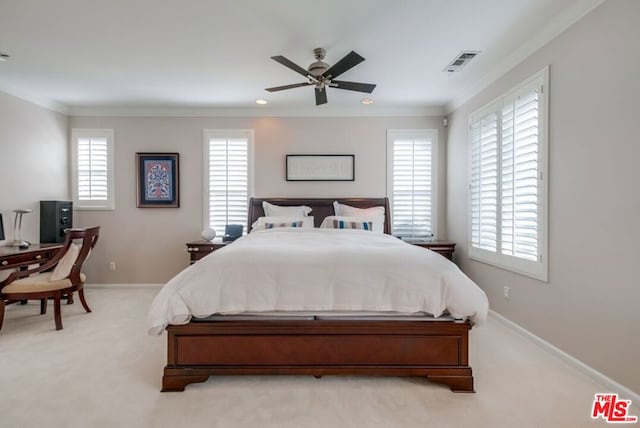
(112, 266)
(507, 293)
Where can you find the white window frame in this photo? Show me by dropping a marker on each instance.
(393, 134)
(108, 134)
(225, 133)
(535, 269)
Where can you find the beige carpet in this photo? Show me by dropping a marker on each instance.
(103, 370)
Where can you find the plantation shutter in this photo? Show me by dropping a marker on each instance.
(484, 181)
(508, 197)
(520, 172)
(412, 186)
(228, 182)
(92, 169)
(93, 166)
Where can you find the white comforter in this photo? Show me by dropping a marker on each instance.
(290, 269)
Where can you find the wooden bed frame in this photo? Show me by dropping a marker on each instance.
(437, 350)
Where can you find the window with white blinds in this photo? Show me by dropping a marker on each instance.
(92, 169)
(484, 181)
(228, 177)
(508, 180)
(411, 182)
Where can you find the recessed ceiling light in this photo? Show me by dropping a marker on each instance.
(4, 56)
(366, 101)
(261, 102)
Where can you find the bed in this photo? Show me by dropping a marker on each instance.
(317, 344)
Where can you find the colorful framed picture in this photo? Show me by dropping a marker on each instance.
(158, 180)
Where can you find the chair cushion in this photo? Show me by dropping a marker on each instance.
(64, 266)
(38, 283)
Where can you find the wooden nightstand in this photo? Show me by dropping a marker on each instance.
(445, 248)
(199, 249)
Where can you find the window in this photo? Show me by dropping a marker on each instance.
(411, 181)
(92, 169)
(228, 177)
(508, 187)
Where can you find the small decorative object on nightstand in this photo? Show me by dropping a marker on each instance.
(199, 249)
(208, 234)
(444, 248)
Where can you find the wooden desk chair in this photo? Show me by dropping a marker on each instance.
(42, 283)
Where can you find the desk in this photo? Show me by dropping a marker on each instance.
(16, 258)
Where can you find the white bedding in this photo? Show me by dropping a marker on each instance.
(290, 269)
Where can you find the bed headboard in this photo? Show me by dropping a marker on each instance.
(321, 207)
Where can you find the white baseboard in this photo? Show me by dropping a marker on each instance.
(122, 285)
(607, 383)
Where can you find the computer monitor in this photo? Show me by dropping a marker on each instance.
(1, 228)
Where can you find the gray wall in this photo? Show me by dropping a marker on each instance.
(147, 244)
(589, 307)
(33, 161)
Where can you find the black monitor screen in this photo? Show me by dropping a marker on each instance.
(1, 228)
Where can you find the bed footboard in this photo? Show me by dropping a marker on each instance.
(437, 350)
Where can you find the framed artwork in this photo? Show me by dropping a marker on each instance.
(158, 180)
(320, 167)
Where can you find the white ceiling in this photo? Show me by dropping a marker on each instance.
(205, 54)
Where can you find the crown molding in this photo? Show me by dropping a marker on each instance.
(42, 102)
(553, 29)
(114, 111)
(364, 111)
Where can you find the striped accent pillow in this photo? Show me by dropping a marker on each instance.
(342, 224)
(290, 224)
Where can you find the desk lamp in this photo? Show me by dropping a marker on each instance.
(17, 229)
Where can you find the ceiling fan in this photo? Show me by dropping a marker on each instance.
(321, 75)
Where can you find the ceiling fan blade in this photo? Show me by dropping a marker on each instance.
(353, 86)
(282, 88)
(289, 64)
(349, 61)
(321, 96)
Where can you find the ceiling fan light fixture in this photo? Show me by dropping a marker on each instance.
(367, 101)
(261, 102)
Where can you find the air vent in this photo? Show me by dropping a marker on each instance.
(4, 56)
(460, 61)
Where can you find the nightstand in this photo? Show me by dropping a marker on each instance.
(199, 249)
(444, 248)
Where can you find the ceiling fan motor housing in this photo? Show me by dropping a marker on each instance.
(317, 69)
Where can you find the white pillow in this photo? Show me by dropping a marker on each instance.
(260, 223)
(271, 210)
(349, 211)
(377, 222)
(64, 266)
